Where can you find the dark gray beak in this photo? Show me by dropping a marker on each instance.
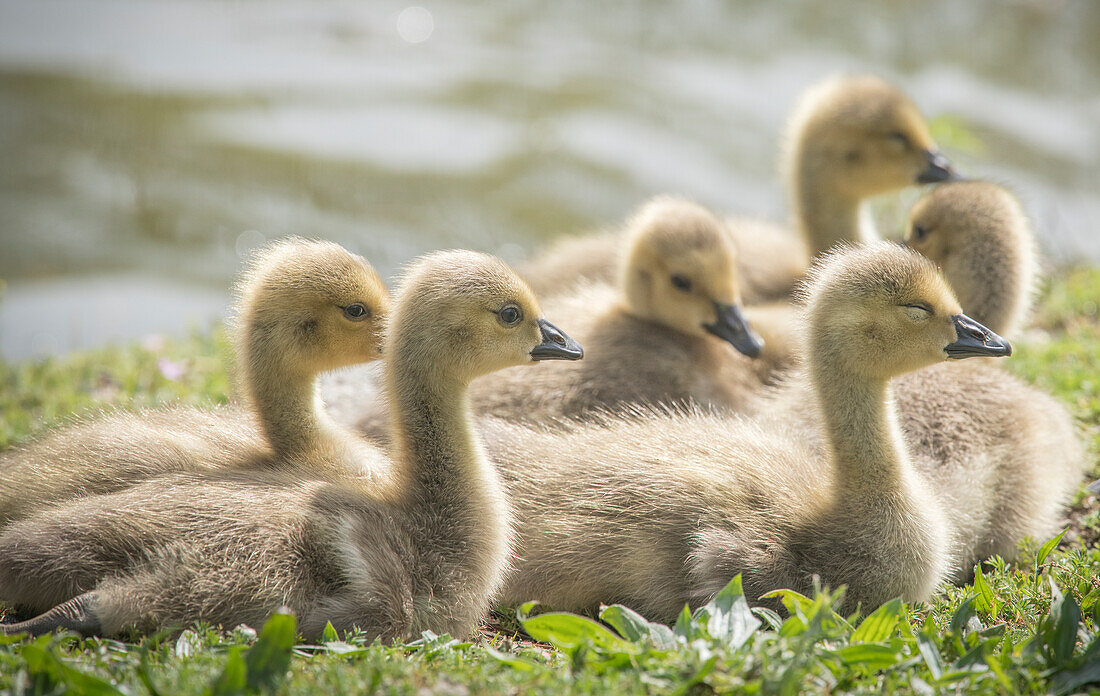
(938, 169)
(556, 345)
(975, 341)
(732, 326)
(1094, 487)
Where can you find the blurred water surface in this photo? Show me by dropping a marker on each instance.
(147, 145)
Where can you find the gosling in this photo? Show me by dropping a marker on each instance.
(978, 234)
(303, 307)
(671, 332)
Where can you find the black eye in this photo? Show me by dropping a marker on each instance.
(921, 306)
(901, 138)
(919, 233)
(356, 312)
(681, 283)
(510, 315)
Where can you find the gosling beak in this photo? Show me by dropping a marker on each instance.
(1094, 487)
(938, 169)
(974, 341)
(733, 327)
(556, 345)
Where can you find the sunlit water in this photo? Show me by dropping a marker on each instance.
(146, 146)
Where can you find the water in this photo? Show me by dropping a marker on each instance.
(148, 145)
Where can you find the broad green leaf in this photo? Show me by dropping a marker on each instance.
(42, 660)
(984, 600)
(774, 620)
(953, 676)
(870, 655)
(268, 660)
(569, 632)
(683, 627)
(1047, 547)
(793, 626)
(232, 680)
(629, 623)
(729, 617)
(931, 654)
(989, 649)
(86, 684)
(962, 616)
(186, 644)
(514, 661)
(329, 635)
(1090, 603)
(662, 636)
(796, 604)
(973, 657)
(920, 687)
(1071, 680)
(880, 624)
(1060, 633)
(35, 655)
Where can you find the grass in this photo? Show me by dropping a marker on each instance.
(1029, 627)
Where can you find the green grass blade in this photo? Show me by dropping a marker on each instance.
(984, 601)
(1047, 547)
(514, 661)
(1060, 629)
(931, 654)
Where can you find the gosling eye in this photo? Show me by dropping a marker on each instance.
(918, 311)
(899, 138)
(356, 312)
(681, 283)
(510, 315)
(919, 234)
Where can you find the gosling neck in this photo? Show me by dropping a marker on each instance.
(449, 490)
(826, 216)
(635, 290)
(438, 459)
(288, 404)
(862, 432)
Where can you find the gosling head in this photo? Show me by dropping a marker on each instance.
(880, 310)
(864, 137)
(979, 235)
(463, 314)
(954, 218)
(305, 307)
(680, 270)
